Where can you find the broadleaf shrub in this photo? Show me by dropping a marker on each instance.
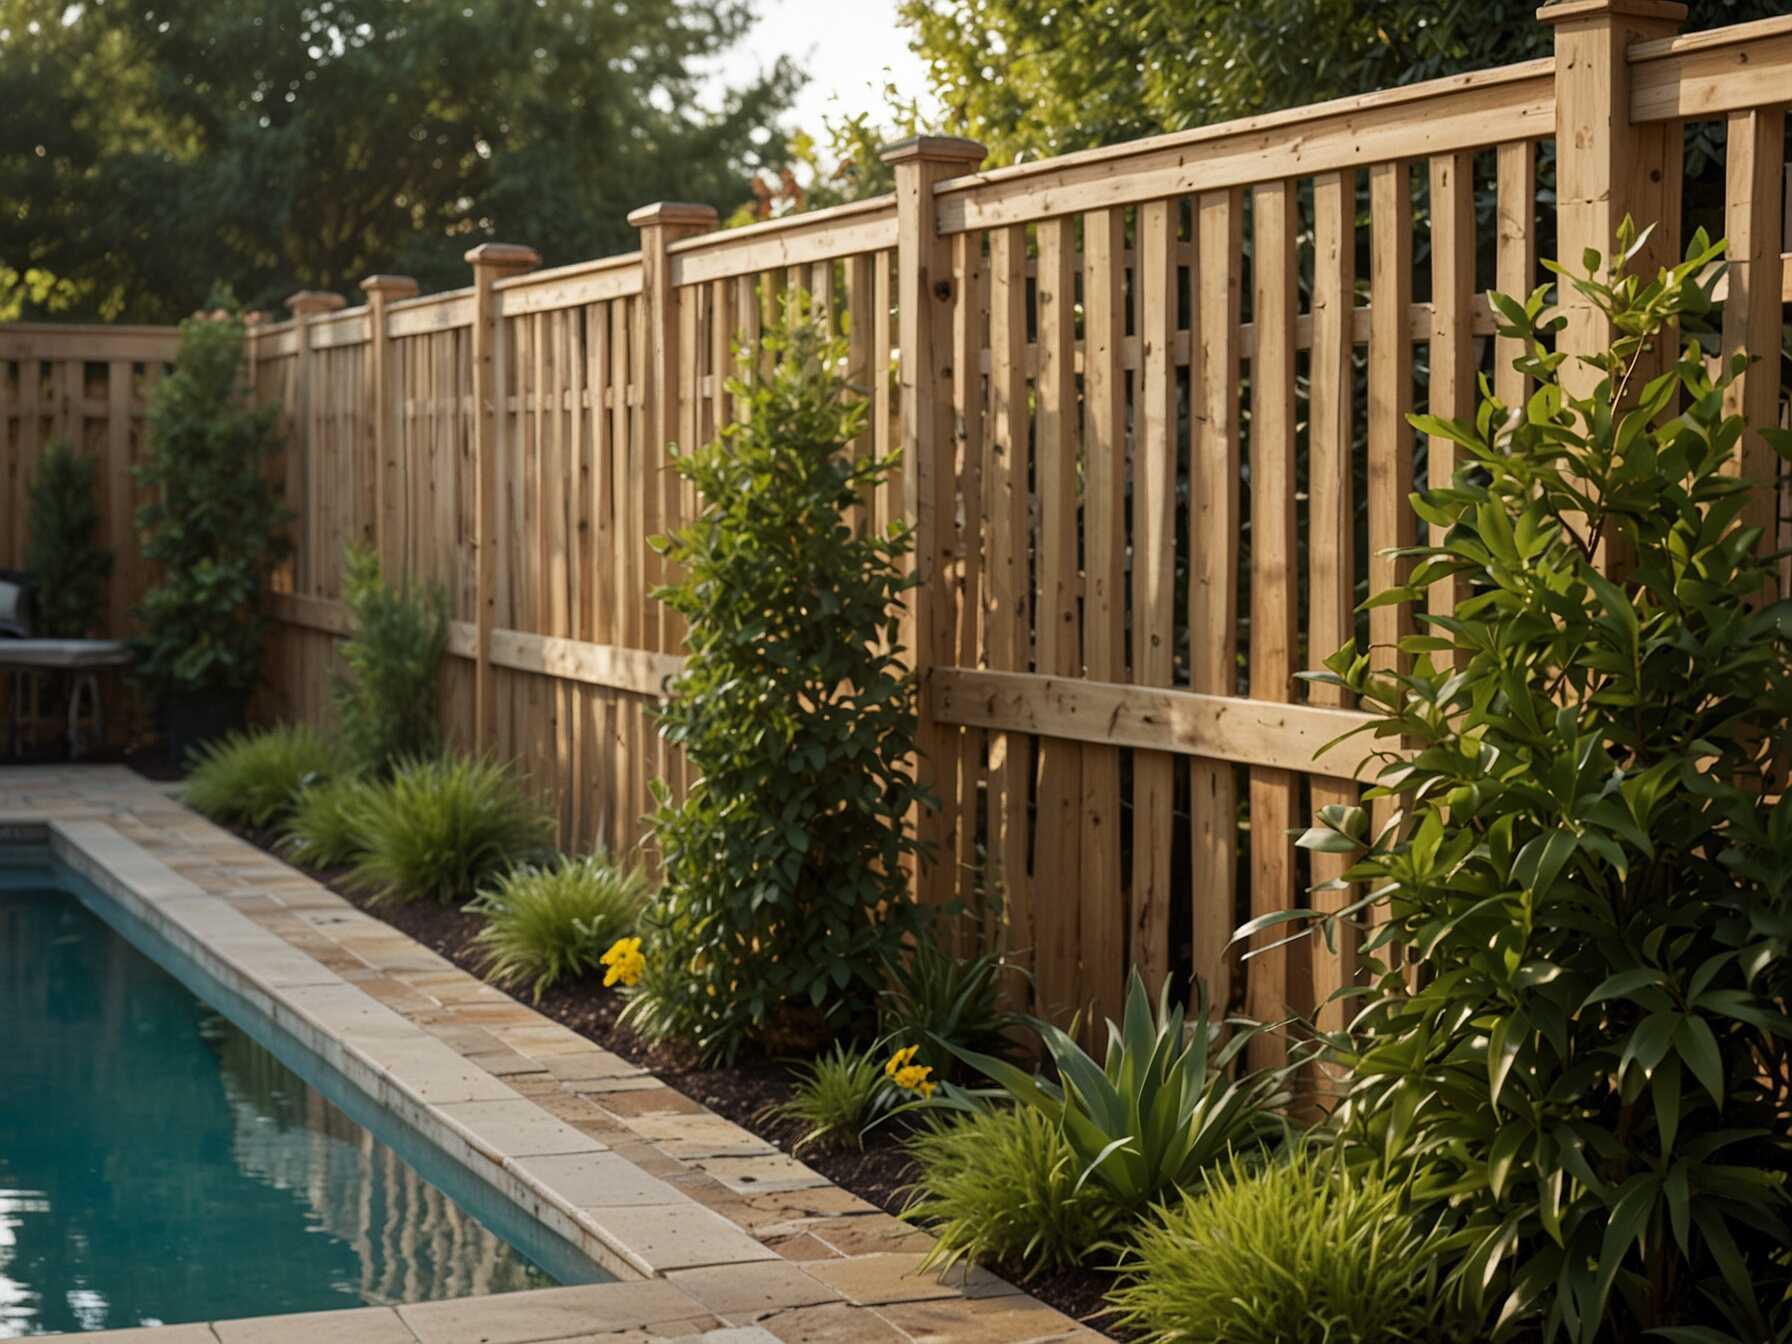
(784, 892)
(387, 699)
(1583, 1038)
(214, 526)
(68, 566)
(1302, 1249)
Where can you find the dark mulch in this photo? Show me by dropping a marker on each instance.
(741, 1092)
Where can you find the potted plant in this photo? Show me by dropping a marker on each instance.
(68, 567)
(215, 526)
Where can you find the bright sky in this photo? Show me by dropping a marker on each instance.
(845, 46)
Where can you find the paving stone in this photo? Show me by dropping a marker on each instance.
(999, 1320)
(867, 1234)
(516, 1128)
(596, 1180)
(548, 1313)
(592, 1063)
(364, 1325)
(651, 1098)
(801, 1246)
(742, 1294)
(700, 1134)
(752, 1175)
(151, 1334)
(873, 1280)
(837, 1324)
(503, 1063)
(659, 1238)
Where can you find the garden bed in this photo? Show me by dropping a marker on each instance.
(741, 1093)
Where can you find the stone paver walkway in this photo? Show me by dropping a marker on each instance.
(791, 1258)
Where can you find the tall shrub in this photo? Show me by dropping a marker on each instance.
(388, 699)
(784, 890)
(68, 566)
(1589, 871)
(215, 526)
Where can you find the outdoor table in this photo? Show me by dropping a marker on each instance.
(82, 658)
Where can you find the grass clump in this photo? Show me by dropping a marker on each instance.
(553, 923)
(254, 779)
(324, 830)
(441, 829)
(1001, 1187)
(1303, 1250)
(835, 1098)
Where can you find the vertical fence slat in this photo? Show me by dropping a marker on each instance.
(1331, 531)
(1515, 257)
(1058, 854)
(969, 331)
(1104, 596)
(1213, 580)
(1451, 391)
(1154, 573)
(1277, 980)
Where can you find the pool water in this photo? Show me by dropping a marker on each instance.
(157, 1164)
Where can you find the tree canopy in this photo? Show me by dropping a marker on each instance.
(154, 147)
(1034, 78)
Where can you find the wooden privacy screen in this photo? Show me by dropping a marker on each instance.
(1152, 404)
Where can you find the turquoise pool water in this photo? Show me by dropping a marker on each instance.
(159, 1163)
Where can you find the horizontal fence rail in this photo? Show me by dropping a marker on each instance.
(1152, 406)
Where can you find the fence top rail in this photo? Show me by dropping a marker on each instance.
(91, 344)
(573, 271)
(1459, 112)
(88, 330)
(429, 300)
(569, 286)
(1709, 74)
(818, 235)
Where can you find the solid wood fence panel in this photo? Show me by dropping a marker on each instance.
(1083, 363)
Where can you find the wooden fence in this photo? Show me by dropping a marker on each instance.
(1152, 403)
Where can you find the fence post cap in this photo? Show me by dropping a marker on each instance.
(940, 148)
(1667, 12)
(511, 256)
(315, 301)
(674, 212)
(400, 286)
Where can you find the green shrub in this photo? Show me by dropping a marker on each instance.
(214, 527)
(326, 825)
(442, 829)
(254, 779)
(1591, 879)
(933, 996)
(836, 1096)
(1159, 1112)
(1301, 1250)
(68, 567)
(548, 924)
(1002, 1187)
(387, 702)
(784, 886)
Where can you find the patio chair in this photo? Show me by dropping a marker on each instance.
(28, 657)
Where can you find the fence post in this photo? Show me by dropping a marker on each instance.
(925, 304)
(388, 432)
(1607, 168)
(491, 262)
(660, 491)
(301, 474)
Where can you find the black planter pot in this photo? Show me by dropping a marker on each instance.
(193, 720)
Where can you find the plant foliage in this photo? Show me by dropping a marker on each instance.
(835, 1097)
(254, 779)
(934, 996)
(214, 526)
(1590, 865)
(439, 830)
(552, 923)
(1304, 1249)
(68, 566)
(1003, 1186)
(387, 701)
(784, 892)
(1160, 1110)
(326, 828)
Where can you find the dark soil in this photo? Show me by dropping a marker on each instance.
(742, 1092)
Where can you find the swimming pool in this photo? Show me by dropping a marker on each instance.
(167, 1155)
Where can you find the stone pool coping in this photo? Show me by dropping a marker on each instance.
(712, 1232)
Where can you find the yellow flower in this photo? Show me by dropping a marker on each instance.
(624, 961)
(900, 1060)
(913, 1077)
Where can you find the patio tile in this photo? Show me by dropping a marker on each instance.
(659, 1238)
(744, 1293)
(700, 1134)
(874, 1280)
(366, 1325)
(1001, 1320)
(596, 1180)
(548, 1313)
(152, 1334)
(837, 1324)
(773, 1172)
(515, 1128)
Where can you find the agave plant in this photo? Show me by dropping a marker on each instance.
(1160, 1112)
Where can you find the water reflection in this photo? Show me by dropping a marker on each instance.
(157, 1165)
